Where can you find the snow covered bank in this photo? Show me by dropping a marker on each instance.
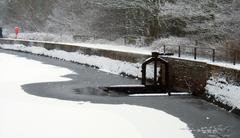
(223, 92)
(121, 48)
(96, 44)
(104, 64)
(42, 37)
(27, 116)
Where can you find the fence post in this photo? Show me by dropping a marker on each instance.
(234, 58)
(179, 51)
(195, 50)
(1, 35)
(164, 48)
(195, 53)
(213, 55)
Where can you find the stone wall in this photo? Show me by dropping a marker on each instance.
(192, 76)
(188, 75)
(232, 75)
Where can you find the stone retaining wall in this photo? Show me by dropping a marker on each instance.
(188, 75)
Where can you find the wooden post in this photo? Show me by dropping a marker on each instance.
(213, 55)
(143, 74)
(195, 53)
(179, 51)
(234, 58)
(155, 71)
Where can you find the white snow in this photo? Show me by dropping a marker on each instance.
(170, 41)
(42, 37)
(120, 48)
(104, 64)
(27, 116)
(224, 92)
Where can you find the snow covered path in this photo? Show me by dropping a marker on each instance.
(26, 116)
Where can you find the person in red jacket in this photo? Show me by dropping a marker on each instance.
(17, 30)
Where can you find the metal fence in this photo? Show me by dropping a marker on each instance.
(212, 54)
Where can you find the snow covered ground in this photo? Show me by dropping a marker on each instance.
(97, 44)
(40, 36)
(224, 92)
(27, 116)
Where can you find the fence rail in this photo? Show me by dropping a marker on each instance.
(211, 54)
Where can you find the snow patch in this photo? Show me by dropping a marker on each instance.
(43, 37)
(170, 41)
(224, 92)
(120, 48)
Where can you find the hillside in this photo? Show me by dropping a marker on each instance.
(208, 21)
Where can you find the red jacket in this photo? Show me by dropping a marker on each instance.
(17, 30)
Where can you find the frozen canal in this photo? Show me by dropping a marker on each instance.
(49, 98)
